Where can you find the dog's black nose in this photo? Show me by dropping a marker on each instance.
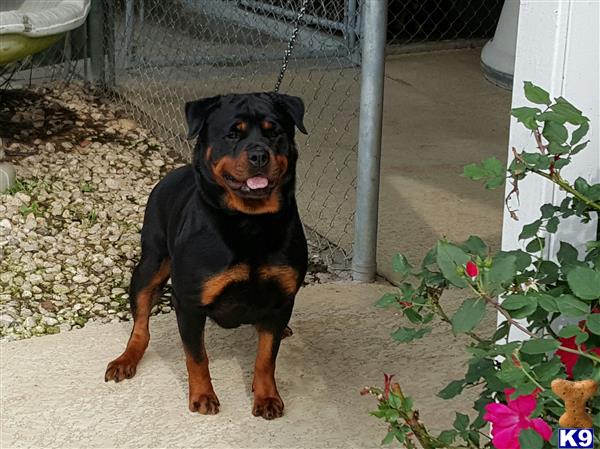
(258, 157)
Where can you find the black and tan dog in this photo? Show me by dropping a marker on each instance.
(226, 230)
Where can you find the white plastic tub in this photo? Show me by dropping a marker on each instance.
(29, 26)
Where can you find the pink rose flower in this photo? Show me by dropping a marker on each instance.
(509, 419)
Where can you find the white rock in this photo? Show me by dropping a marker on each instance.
(80, 279)
(29, 322)
(60, 289)
(35, 279)
(49, 321)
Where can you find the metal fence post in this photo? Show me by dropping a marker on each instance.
(95, 28)
(373, 33)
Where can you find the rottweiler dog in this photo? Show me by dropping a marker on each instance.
(226, 230)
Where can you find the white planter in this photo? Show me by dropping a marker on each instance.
(498, 55)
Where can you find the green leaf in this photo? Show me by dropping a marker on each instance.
(551, 115)
(530, 230)
(540, 346)
(447, 436)
(555, 148)
(515, 302)
(568, 111)
(555, 132)
(468, 316)
(475, 245)
(548, 210)
(502, 271)
(580, 133)
(451, 390)
(577, 148)
(593, 323)
(552, 225)
(491, 170)
(527, 116)
(461, 422)
(536, 245)
(568, 305)
(389, 437)
(386, 300)
(530, 439)
(548, 303)
(584, 282)
(536, 94)
(581, 338)
(548, 370)
(400, 265)
(407, 334)
(510, 374)
(523, 260)
(451, 260)
(567, 254)
(569, 331)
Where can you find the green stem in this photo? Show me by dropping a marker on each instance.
(526, 331)
(557, 179)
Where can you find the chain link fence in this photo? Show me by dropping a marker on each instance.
(158, 54)
(416, 25)
(168, 52)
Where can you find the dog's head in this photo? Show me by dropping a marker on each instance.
(245, 152)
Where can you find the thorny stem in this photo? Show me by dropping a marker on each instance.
(526, 331)
(557, 179)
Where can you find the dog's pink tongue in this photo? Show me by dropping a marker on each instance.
(258, 182)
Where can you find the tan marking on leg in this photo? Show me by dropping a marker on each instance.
(215, 285)
(124, 366)
(267, 401)
(202, 397)
(286, 277)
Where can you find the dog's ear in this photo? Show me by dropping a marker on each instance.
(294, 107)
(196, 113)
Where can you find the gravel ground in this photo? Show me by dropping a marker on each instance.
(69, 228)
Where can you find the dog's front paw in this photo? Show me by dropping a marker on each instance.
(268, 408)
(205, 404)
(121, 368)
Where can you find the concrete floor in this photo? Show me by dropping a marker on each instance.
(439, 115)
(54, 395)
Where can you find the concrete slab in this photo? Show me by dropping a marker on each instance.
(440, 114)
(54, 396)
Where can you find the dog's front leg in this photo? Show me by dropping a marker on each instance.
(267, 401)
(202, 397)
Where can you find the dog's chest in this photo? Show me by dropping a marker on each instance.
(244, 295)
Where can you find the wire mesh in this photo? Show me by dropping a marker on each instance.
(61, 62)
(170, 52)
(413, 22)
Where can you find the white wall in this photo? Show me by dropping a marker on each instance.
(558, 49)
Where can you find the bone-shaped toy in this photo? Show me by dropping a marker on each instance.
(575, 394)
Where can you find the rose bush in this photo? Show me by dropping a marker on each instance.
(553, 299)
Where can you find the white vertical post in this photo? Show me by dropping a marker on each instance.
(558, 49)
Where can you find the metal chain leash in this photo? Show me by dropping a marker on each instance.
(290, 46)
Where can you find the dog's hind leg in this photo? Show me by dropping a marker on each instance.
(149, 276)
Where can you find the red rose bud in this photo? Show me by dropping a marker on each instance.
(471, 269)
